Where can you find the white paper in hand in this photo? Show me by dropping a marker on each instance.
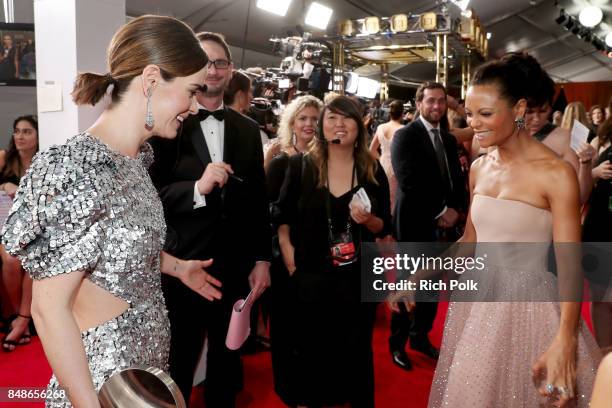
(361, 199)
(580, 134)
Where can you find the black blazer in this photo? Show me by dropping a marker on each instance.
(422, 193)
(233, 227)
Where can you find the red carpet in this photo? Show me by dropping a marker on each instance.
(395, 388)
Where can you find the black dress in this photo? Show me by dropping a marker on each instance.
(598, 221)
(332, 334)
(281, 293)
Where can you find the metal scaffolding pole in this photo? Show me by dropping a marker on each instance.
(442, 59)
(384, 82)
(338, 68)
(466, 73)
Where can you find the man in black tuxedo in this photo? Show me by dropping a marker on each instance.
(430, 191)
(212, 184)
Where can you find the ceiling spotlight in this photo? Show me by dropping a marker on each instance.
(318, 15)
(278, 7)
(590, 16)
(462, 4)
(609, 39)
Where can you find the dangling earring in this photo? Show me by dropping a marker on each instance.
(149, 122)
(520, 122)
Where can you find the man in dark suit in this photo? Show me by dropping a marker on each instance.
(430, 193)
(212, 184)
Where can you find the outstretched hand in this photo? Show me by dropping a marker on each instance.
(195, 277)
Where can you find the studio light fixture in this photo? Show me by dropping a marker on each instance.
(9, 11)
(609, 39)
(278, 7)
(463, 4)
(318, 15)
(590, 16)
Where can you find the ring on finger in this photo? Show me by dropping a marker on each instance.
(563, 391)
(550, 388)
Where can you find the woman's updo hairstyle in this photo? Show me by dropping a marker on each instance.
(517, 76)
(163, 41)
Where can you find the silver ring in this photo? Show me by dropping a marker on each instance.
(550, 388)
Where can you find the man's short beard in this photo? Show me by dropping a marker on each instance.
(213, 92)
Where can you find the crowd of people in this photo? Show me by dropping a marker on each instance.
(130, 244)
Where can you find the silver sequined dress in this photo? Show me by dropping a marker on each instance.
(85, 207)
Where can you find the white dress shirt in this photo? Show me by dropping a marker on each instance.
(214, 132)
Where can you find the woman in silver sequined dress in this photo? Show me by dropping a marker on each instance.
(87, 223)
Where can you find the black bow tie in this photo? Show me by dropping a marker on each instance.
(218, 114)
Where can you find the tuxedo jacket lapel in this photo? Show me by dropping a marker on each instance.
(230, 137)
(199, 142)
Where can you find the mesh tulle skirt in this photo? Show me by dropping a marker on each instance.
(488, 351)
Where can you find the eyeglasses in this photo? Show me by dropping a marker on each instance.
(219, 64)
(25, 132)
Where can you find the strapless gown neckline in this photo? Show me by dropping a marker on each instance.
(488, 348)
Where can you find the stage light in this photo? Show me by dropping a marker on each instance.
(609, 39)
(590, 16)
(278, 7)
(318, 15)
(463, 4)
(489, 35)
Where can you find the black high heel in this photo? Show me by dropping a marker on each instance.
(5, 323)
(21, 341)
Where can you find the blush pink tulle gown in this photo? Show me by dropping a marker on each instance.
(489, 348)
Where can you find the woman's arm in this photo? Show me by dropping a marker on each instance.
(192, 274)
(557, 365)
(286, 248)
(52, 300)
(602, 392)
(375, 144)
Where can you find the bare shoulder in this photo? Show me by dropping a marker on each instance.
(556, 176)
(479, 165)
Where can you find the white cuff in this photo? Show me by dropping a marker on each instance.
(198, 199)
(442, 212)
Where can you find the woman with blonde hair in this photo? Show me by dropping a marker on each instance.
(576, 111)
(88, 224)
(320, 231)
(297, 127)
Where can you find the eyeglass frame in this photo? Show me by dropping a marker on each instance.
(214, 62)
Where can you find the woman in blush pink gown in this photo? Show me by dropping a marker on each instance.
(516, 353)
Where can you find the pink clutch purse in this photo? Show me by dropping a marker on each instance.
(240, 323)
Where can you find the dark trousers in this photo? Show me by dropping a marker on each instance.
(191, 319)
(417, 326)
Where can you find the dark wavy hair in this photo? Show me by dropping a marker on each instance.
(13, 167)
(364, 162)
